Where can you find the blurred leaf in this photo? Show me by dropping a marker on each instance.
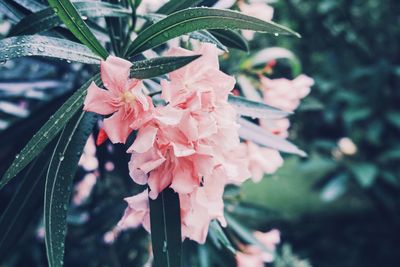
(220, 237)
(244, 233)
(34, 45)
(58, 187)
(336, 187)
(194, 19)
(365, 173)
(72, 19)
(166, 229)
(394, 118)
(252, 132)
(255, 109)
(22, 207)
(47, 19)
(204, 256)
(231, 39)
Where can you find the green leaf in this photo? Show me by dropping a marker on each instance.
(166, 234)
(365, 173)
(202, 35)
(47, 19)
(206, 37)
(72, 19)
(24, 204)
(195, 19)
(150, 68)
(58, 187)
(220, 237)
(231, 39)
(11, 10)
(34, 45)
(244, 233)
(141, 70)
(175, 5)
(255, 109)
(47, 132)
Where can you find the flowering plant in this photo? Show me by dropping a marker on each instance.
(190, 131)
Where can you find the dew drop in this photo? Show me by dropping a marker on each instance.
(55, 10)
(84, 17)
(3, 61)
(164, 249)
(276, 34)
(61, 158)
(40, 49)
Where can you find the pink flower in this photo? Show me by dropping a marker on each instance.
(259, 10)
(262, 160)
(191, 145)
(285, 94)
(124, 99)
(254, 256)
(137, 213)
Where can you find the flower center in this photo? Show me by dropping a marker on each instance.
(128, 97)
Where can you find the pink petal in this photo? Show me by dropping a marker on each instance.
(144, 140)
(115, 73)
(117, 127)
(98, 101)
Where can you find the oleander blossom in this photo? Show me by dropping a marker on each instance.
(254, 256)
(192, 143)
(124, 100)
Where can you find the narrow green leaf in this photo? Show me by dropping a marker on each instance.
(58, 187)
(150, 68)
(244, 233)
(11, 10)
(175, 5)
(166, 234)
(47, 132)
(72, 19)
(202, 35)
(195, 19)
(47, 19)
(254, 109)
(31, 5)
(231, 39)
(141, 70)
(219, 235)
(34, 45)
(206, 37)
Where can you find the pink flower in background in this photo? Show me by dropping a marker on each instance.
(254, 256)
(262, 160)
(124, 99)
(259, 10)
(285, 94)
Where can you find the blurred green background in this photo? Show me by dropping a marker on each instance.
(338, 208)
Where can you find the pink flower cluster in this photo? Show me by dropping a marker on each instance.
(191, 144)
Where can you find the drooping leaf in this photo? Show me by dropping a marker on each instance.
(47, 132)
(74, 22)
(34, 45)
(231, 39)
(47, 19)
(255, 109)
(252, 132)
(23, 206)
(58, 187)
(141, 70)
(195, 19)
(166, 234)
